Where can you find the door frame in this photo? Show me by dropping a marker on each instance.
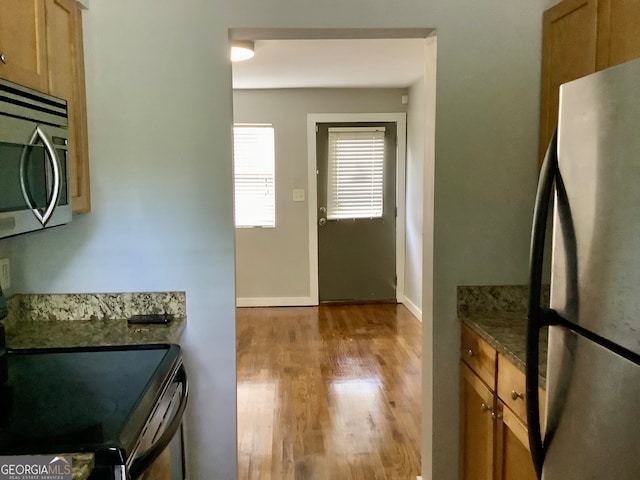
(400, 119)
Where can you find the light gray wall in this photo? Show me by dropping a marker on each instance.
(160, 113)
(416, 139)
(274, 262)
(487, 116)
(159, 108)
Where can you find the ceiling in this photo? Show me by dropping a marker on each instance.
(332, 63)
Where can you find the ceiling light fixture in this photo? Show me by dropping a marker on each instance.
(241, 50)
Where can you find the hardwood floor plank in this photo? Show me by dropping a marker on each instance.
(329, 392)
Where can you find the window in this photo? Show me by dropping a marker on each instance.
(355, 173)
(254, 172)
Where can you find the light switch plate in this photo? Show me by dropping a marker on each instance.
(5, 273)
(298, 195)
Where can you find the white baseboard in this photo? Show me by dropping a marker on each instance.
(413, 308)
(276, 302)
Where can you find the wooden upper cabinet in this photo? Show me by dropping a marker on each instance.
(568, 53)
(22, 43)
(66, 80)
(618, 32)
(580, 37)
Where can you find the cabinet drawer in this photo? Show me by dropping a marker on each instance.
(512, 388)
(480, 356)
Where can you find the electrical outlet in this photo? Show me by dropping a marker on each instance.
(5, 273)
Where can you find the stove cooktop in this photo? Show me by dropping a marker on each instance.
(81, 399)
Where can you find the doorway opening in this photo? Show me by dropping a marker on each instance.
(278, 266)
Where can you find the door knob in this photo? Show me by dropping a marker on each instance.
(322, 222)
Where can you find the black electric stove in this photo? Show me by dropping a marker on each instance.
(121, 403)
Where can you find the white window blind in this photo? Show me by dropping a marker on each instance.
(254, 172)
(355, 174)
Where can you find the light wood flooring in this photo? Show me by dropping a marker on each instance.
(329, 393)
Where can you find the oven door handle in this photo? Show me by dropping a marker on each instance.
(141, 464)
(42, 214)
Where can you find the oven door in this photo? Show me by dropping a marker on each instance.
(170, 464)
(33, 176)
(160, 452)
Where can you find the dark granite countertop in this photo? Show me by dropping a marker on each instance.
(498, 315)
(48, 321)
(81, 465)
(27, 333)
(507, 333)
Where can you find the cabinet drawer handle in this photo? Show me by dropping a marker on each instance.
(515, 395)
(471, 353)
(3, 59)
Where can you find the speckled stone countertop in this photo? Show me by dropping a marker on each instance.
(82, 465)
(43, 321)
(78, 333)
(498, 315)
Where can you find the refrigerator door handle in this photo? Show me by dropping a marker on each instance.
(538, 317)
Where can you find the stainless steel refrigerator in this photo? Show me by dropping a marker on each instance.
(592, 171)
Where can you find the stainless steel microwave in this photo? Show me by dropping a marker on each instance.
(34, 171)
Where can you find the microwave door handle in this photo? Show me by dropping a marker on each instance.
(24, 183)
(43, 217)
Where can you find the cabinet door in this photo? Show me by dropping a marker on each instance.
(568, 52)
(513, 460)
(66, 80)
(618, 32)
(476, 427)
(22, 43)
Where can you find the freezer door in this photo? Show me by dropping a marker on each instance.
(593, 416)
(596, 245)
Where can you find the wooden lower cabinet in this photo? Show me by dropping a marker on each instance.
(477, 427)
(494, 442)
(513, 461)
